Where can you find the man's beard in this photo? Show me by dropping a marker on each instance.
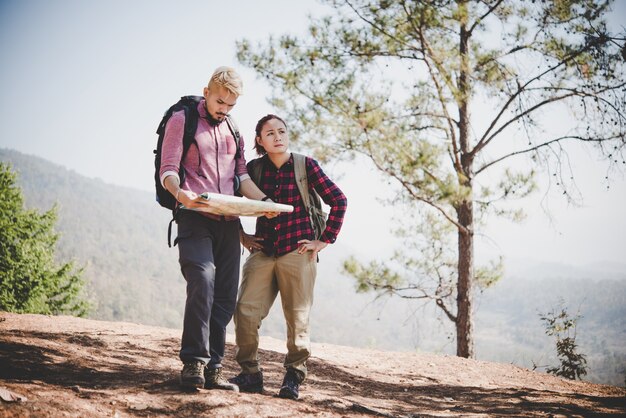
(212, 121)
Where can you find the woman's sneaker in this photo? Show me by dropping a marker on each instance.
(249, 382)
(215, 380)
(192, 375)
(290, 388)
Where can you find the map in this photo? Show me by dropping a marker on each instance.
(221, 204)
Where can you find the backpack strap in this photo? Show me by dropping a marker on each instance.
(302, 181)
(310, 198)
(255, 169)
(169, 229)
(189, 105)
(235, 131)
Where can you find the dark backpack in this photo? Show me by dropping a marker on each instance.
(189, 104)
(312, 201)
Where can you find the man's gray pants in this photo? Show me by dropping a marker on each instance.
(209, 254)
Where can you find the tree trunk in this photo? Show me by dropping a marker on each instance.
(465, 209)
(464, 325)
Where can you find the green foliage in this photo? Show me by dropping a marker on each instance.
(372, 277)
(30, 280)
(487, 276)
(563, 329)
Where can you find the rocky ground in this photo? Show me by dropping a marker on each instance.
(65, 366)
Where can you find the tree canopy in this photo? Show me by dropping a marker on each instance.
(443, 97)
(30, 279)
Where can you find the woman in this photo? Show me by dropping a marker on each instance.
(283, 258)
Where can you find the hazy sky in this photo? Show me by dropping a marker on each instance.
(84, 85)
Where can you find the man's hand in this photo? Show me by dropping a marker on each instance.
(191, 200)
(250, 242)
(314, 246)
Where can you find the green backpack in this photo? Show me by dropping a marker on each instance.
(312, 201)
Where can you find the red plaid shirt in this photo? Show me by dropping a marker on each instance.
(282, 233)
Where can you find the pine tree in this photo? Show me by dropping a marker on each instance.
(396, 82)
(573, 365)
(30, 280)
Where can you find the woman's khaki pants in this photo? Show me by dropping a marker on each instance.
(293, 275)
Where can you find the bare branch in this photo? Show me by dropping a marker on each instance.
(380, 53)
(445, 309)
(480, 19)
(378, 28)
(545, 144)
(485, 138)
(484, 143)
(407, 187)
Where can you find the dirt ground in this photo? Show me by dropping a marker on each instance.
(70, 367)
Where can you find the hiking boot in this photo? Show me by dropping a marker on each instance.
(215, 380)
(291, 384)
(192, 374)
(249, 382)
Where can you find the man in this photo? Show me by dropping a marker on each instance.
(208, 244)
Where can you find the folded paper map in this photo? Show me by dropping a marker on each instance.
(221, 204)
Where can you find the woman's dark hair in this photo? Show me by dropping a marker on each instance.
(259, 126)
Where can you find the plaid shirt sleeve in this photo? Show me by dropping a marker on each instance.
(331, 195)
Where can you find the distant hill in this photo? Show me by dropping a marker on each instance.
(64, 366)
(120, 236)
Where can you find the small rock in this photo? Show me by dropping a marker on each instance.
(138, 406)
(8, 396)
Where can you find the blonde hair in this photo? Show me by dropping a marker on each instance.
(228, 78)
